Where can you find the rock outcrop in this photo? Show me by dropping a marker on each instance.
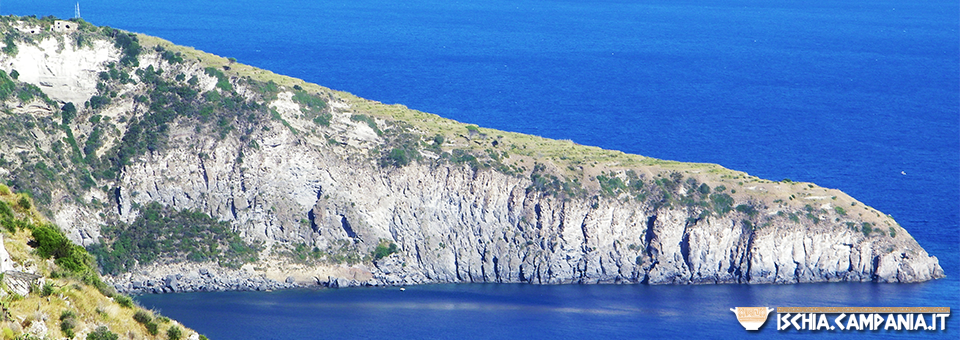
(338, 188)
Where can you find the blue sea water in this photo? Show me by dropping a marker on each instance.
(846, 94)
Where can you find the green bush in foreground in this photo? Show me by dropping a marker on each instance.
(174, 333)
(102, 333)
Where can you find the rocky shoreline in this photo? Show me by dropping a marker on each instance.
(210, 277)
(202, 281)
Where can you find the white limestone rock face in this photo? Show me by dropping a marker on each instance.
(6, 263)
(67, 74)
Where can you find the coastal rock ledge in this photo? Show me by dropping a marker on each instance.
(334, 190)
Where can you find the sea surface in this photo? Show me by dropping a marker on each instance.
(863, 96)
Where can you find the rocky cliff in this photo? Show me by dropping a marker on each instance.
(337, 190)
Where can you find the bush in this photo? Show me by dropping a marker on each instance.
(747, 209)
(704, 189)
(7, 87)
(102, 333)
(11, 45)
(24, 202)
(123, 300)
(174, 333)
(5, 211)
(130, 47)
(794, 218)
(68, 321)
(142, 317)
(384, 249)
(152, 328)
(866, 228)
(397, 157)
(223, 82)
(47, 290)
(68, 112)
(722, 203)
(840, 211)
(98, 102)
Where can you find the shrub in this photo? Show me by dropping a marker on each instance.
(102, 333)
(10, 43)
(142, 317)
(794, 218)
(130, 48)
(866, 228)
(24, 202)
(152, 328)
(397, 157)
(47, 290)
(170, 57)
(68, 112)
(722, 203)
(123, 300)
(7, 87)
(747, 209)
(310, 100)
(384, 249)
(174, 333)
(223, 82)
(5, 211)
(98, 102)
(704, 189)
(840, 211)
(68, 321)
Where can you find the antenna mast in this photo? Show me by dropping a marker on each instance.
(77, 14)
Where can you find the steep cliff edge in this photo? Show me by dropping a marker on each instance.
(337, 190)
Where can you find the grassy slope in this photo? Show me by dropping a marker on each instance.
(63, 291)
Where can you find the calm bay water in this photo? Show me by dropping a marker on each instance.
(846, 94)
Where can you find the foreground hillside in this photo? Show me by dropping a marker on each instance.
(182, 170)
(50, 289)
